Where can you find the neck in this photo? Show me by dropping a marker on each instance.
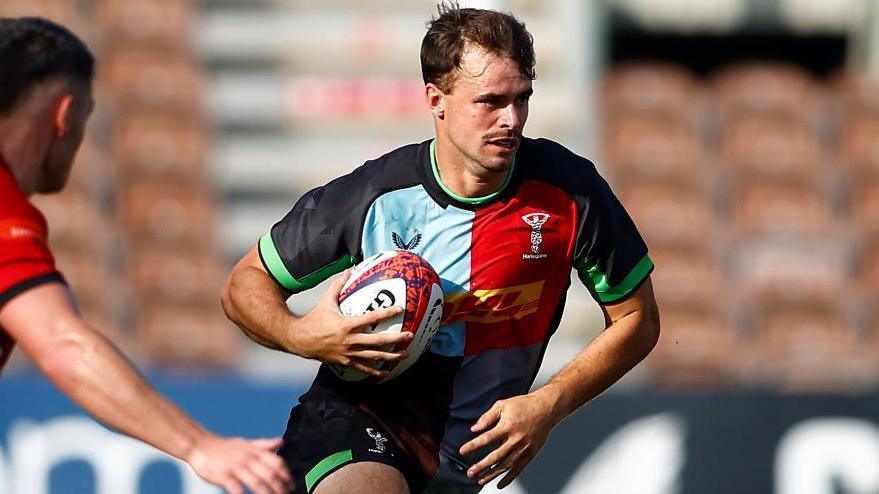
(462, 178)
(21, 150)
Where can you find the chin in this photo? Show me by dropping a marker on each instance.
(497, 164)
(52, 185)
(51, 188)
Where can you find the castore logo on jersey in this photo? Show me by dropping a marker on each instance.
(400, 243)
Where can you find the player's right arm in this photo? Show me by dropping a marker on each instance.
(257, 304)
(90, 370)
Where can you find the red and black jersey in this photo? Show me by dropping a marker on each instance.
(25, 258)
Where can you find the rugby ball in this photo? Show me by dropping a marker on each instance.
(394, 278)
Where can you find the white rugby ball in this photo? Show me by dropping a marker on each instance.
(394, 278)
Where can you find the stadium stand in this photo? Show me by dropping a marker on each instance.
(155, 144)
(146, 75)
(650, 86)
(777, 145)
(653, 146)
(809, 348)
(158, 23)
(789, 205)
(669, 213)
(765, 86)
(698, 350)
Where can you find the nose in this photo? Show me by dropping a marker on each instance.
(511, 116)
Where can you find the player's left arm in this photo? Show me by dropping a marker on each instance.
(518, 426)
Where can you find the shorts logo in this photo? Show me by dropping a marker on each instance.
(403, 244)
(380, 440)
(535, 221)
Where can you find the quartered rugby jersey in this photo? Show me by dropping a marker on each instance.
(504, 260)
(25, 259)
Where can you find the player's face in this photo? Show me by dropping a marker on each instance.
(63, 148)
(486, 110)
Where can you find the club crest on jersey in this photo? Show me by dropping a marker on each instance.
(379, 439)
(409, 245)
(535, 221)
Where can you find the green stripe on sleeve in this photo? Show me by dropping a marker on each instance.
(313, 279)
(273, 262)
(279, 270)
(326, 466)
(593, 277)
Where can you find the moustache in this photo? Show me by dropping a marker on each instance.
(511, 134)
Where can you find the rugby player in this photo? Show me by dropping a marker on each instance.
(503, 219)
(45, 101)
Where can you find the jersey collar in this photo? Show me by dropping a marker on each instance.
(466, 202)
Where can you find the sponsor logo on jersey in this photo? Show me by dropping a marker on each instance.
(535, 221)
(380, 440)
(491, 306)
(21, 230)
(403, 244)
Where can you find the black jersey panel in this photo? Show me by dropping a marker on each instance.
(322, 234)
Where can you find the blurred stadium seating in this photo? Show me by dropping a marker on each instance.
(766, 252)
(755, 185)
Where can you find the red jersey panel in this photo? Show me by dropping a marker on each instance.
(520, 251)
(25, 258)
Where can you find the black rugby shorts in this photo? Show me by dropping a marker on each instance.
(323, 435)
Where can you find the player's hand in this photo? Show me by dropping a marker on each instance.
(327, 335)
(518, 427)
(236, 463)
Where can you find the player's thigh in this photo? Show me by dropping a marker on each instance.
(364, 478)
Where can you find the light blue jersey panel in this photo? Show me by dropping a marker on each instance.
(409, 219)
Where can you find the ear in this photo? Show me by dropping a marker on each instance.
(62, 114)
(435, 100)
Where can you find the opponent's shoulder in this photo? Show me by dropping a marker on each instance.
(13, 203)
(552, 162)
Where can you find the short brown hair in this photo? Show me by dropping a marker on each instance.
(447, 35)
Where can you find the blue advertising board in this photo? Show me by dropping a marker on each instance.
(623, 442)
(48, 445)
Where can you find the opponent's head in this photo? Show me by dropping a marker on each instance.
(46, 77)
(477, 67)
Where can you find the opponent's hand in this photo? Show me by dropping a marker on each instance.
(236, 463)
(519, 427)
(327, 335)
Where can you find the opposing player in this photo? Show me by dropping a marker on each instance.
(503, 219)
(45, 100)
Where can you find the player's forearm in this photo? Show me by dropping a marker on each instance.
(602, 363)
(255, 303)
(89, 369)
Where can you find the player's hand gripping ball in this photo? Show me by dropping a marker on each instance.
(387, 279)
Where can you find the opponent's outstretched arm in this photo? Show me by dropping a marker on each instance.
(88, 368)
(255, 302)
(520, 425)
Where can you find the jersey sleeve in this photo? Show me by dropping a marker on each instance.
(610, 256)
(25, 258)
(318, 238)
